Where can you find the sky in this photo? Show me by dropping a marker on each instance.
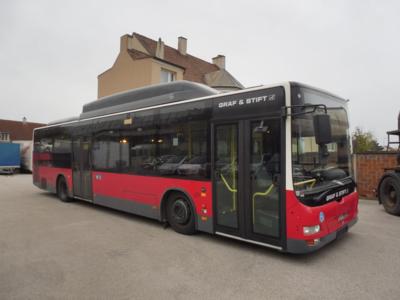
(52, 51)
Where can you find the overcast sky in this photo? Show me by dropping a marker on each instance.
(52, 51)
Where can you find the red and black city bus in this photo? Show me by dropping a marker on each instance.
(268, 165)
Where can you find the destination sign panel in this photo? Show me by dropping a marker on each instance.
(264, 101)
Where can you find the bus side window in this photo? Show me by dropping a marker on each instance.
(123, 162)
(182, 150)
(106, 152)
(62, 152)
(142, 151)
(46, 145)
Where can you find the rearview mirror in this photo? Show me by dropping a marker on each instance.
(322, 129)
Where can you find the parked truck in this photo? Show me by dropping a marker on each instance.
(10, 158)
(388, 190)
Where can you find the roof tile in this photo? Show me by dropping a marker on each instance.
(195, 68)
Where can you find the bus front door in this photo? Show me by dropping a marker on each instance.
(247, 180)
(81, 171)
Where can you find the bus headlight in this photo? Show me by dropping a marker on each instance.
(309, 230)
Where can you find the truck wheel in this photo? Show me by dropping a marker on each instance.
(62, 190)
(180, 214)
(389, 194)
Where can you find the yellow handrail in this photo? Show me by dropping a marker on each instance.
(266, 193)
(312, 181)
(232, 190)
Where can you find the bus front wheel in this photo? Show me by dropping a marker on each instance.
(389, 195)
(180, 214)
(62, 190)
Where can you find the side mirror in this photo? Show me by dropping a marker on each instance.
(322, 129)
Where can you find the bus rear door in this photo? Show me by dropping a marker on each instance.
(81, 170)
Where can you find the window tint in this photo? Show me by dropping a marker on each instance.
(52, 148)
(123, 162)
(171, 142)
(226, 171)
(143, 146)
(168, 142)
(62, 152)
(265, 169)
(46, 145)
(173, 150)
(106, 152)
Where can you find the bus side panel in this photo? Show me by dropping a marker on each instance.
(142, 195)
(46, 178)
(336, 215)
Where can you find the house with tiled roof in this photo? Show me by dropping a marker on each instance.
(17, 130)
(143, 61)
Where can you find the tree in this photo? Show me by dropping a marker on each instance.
(364, 141)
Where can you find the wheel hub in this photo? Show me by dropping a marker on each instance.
(391, 196)
(180, 211)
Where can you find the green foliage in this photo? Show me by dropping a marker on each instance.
(364, 141)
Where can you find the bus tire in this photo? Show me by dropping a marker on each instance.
(180, 214)
(389, 195)
(62, 190)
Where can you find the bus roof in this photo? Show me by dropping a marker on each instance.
(161, 94)
(298, 84)
(146, 96)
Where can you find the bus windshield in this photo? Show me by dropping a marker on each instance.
(319, 167)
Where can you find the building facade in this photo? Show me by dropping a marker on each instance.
(143, 61)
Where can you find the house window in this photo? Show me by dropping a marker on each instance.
(4, 137)
(167, 76)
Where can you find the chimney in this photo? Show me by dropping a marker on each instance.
(182, 45)
(219, 61)
(398, 123)
(24, 120)
(160, 49)
(126, 42)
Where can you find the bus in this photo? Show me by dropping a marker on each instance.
(268, 165)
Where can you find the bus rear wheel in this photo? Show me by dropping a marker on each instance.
(62, 190)
(389, 194)
(180, 214)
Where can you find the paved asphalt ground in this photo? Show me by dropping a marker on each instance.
(50, 249)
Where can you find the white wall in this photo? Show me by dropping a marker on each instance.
(26, 154)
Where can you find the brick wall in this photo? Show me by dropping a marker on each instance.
(368, 169)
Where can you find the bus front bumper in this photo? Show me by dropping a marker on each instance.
(300, 246)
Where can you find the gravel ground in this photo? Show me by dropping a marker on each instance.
(50, 249)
